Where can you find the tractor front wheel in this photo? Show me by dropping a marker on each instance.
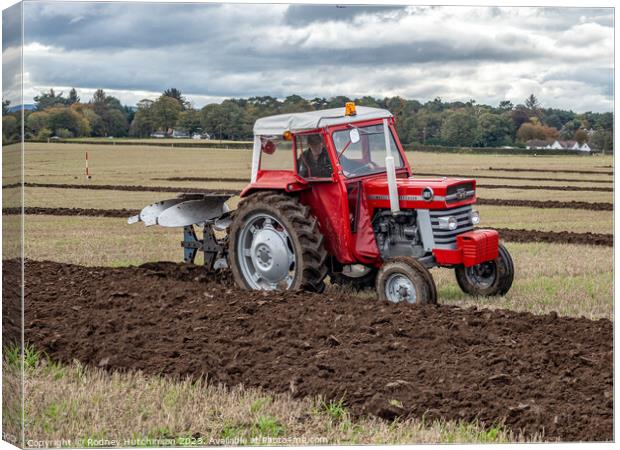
(489, 278)
(275, 243)
(405, 279)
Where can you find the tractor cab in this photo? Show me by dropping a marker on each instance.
(324, 146)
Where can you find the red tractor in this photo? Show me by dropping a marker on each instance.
(332, 194)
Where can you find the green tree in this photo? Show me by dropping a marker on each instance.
(10, 129)
(570, 128)
(37, 121)
(603, 140)
(226, 120)
(113, 121)
(143, 123)
(425, 127)
(459, 129)
(533, 106)
(73, 97)
(66, 118)
(165, 111)
(49, 100)
(505, 105)
(519, 115)
(5, 106)
(319, 103)
(178, 96)
(338, 102)
(99, 98)
(495, 130)
(189, 120)
(295, 103)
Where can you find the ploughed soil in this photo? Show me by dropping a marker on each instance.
(86, 212)
(592, 172)
(593, 206)
(228, 179)
(548, 188)
(500, 177)
(532, 374)
(132, 188)
(561, 237)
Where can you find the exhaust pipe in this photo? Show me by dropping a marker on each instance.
(390, 169)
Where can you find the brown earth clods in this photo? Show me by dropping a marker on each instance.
(544, 204)
(532, 374)
(547, 188)
(500, 177)
(131, 188)
(205, 179)
(84, 212)
(556, 237)
(513, 169)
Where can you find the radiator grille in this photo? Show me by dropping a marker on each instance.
(447, 238)
(459, 192)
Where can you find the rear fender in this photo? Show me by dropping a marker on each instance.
(276, 180)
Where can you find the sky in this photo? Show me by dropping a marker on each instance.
(210, 52)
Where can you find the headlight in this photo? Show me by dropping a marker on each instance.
(475, 217)
(448, 223)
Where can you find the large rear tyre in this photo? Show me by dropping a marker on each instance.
(405, 279)
(355, 276)
(488, 279)
(275, 243)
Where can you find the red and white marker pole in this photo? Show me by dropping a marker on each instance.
(87, 173)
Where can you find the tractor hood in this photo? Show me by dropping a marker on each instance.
(422, 193)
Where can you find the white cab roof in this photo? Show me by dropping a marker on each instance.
(296, 122)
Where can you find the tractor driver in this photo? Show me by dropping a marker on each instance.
(314, 162)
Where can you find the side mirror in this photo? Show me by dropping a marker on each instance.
(354, 135)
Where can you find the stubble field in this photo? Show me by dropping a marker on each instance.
(572, 280)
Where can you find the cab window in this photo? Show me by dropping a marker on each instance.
(367, 155)
(276, 153)
(312, 157)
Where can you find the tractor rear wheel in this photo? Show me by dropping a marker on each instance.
(275, 243)
(405, 279)
(487, 279)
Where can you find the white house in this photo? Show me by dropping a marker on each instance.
(558, 145)
(585, 147)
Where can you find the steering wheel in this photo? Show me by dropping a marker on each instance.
(369, 164)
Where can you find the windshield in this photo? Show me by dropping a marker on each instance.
(368, 154)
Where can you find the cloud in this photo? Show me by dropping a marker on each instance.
(213, 51)
(306, 14)
(11, 54)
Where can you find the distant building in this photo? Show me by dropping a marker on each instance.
(537, 144)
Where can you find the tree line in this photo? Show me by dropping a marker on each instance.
(434, 122)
